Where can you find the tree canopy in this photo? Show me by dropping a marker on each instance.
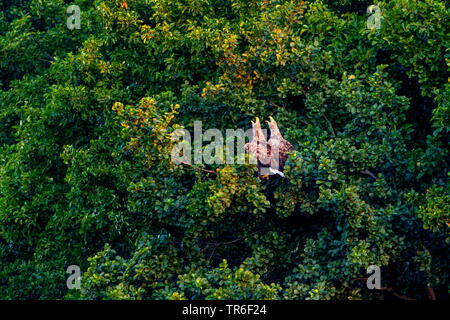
(86, 176)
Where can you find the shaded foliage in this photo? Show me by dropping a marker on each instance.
(86, 177)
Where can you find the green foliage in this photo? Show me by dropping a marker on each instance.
(223, 283)
(87, 117)
(153, 266)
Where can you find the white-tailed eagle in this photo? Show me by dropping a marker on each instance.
(271, 155)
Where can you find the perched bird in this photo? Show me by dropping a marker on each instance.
(259, 147)
(279, 148)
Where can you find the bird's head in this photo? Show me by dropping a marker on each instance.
(256, 122)
(257, 132)
(273, 127)
(272, 123)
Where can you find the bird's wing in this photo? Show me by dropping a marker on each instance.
(259, 149)
(251, 148)
(273, 141)
(263, 151)
(285, 148)
(287, 145)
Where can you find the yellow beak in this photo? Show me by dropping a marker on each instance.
(271, 119)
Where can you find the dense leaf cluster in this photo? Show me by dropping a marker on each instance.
(86, 177)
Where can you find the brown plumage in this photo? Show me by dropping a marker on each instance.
(277, 142)
(271, 155)
(259, 147)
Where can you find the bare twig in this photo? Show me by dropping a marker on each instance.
(369, 174)
(212, 253)
(329, 124)
(303, 121)
(43, 50)
(190, 165)
(272, 103)
(218, 244)
(388, 289)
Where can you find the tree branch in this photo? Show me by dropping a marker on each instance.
(329, 124)
(218, 244)
(369, 174)
(190, 165)
(272, 103)
(390, 290)
(43, 50)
